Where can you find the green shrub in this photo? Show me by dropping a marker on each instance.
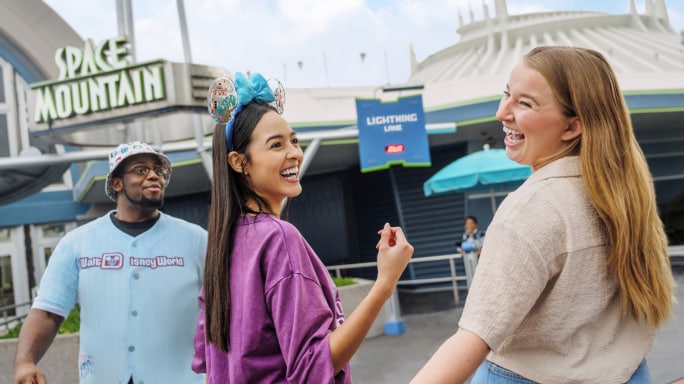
(342, 281)
(13, 332)
(71, 324)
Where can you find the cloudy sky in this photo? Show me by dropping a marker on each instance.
(309, 43)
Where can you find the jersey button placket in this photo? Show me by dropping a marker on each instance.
(136, 276)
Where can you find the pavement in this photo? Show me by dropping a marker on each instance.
(397, 358)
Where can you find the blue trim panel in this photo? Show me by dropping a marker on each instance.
(463, 112)
(40, 208)
(668, 100)
(488, 109)
(20, 61)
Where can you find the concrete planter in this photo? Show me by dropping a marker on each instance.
(59, 363)
(351, 296)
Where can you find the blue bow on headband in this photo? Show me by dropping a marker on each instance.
(248, 90)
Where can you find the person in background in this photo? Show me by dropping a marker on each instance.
(575, 277)
(472, 238)
(270, 311)
(135, 272)
(470, 247)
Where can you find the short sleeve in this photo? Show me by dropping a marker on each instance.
(58, 288)
(509, 278)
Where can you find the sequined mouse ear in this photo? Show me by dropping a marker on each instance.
(279, 93)
(222, 99)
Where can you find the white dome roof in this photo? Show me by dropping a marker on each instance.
(633, 43)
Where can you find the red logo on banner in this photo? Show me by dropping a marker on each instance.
(394, 148)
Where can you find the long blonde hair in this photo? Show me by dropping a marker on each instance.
(617, 177)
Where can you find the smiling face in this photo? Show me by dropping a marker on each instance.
(272, 166)
(139, 191)
(535, 127)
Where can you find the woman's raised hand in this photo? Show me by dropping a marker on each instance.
(394, 253)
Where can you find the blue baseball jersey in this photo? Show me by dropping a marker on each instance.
(138, 298)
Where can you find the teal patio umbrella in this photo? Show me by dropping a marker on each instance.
(483, 170)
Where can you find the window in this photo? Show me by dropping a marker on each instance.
(54, 230)
(48, 253)
(6, 285)
(4, 136)
(2, 86)
(670, 195)
(45, 238)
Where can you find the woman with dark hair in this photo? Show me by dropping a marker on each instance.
(575, 276)
(270, 312)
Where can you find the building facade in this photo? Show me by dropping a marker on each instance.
(52, 170)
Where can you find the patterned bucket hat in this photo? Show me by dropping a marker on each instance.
(125, 151)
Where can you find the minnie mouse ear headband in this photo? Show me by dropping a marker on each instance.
(227, 98)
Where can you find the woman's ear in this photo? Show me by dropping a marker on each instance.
(573, 130)
(237, 161)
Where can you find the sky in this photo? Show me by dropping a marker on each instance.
(309, 43)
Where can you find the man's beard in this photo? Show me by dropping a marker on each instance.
(144, 202)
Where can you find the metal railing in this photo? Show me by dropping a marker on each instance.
(394, 324)
(470, 261)
(9, 321)
(676, 255)
(453, 277)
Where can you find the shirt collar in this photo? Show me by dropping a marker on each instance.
(568, 166)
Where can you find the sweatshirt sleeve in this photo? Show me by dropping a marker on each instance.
(303, 320)
(199, 362)
(301, 300)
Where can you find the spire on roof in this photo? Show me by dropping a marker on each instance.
(414, 62)
(500, 8)
(648, 7)
(661, 12)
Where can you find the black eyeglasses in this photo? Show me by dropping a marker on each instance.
(144, 170)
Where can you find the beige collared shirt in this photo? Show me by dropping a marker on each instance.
(542, 297)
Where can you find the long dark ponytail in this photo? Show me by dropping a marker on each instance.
(231, 197)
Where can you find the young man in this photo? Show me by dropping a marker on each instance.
(136, 274)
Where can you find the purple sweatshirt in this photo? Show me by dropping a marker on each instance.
(284, 306)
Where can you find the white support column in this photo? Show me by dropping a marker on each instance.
(196, 121)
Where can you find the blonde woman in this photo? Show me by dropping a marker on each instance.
(575, 277)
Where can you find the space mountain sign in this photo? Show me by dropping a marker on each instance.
(98, 84)
(97, 79)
